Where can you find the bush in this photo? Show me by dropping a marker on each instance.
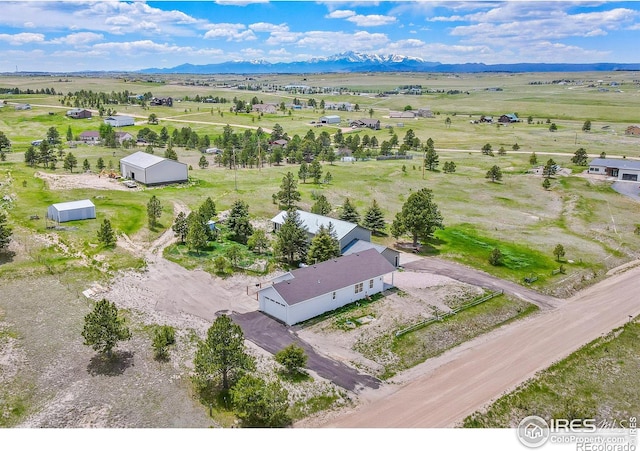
(495, 258)
(163, 337)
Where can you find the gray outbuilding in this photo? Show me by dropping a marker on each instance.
(72, 211)
(152, 170)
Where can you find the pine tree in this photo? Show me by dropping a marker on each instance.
(85, 165)
(292, 239)
(238, 222)
(431, 159)
(288, 194)
(303, 173)
(154, 211)
(104, 328)
(374, 219)
(208, 209)
(321, 206)
(100, 164)
(196, 238)
(349, 212)
(5, 231)
(70, 162)
(106, 235)
(324, 245)
(180, 226)
(495, 173)
(315, 171)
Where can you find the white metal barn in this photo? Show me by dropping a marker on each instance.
(152, 170)
(119, 121)
(307, 292)
(331, 119)
(346, 231)
(72, 211)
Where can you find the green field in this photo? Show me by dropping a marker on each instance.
(516, 215)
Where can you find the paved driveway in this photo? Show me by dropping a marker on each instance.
(272, 336)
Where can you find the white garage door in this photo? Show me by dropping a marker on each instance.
(275, 308)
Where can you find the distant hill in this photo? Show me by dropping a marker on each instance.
(362, 62)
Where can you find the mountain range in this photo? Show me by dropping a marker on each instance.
(362, 62)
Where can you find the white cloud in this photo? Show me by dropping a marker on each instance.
(78, 39)
(340, 14)
(265, 27)
(22, 38)
(230, 32)
(372, 20)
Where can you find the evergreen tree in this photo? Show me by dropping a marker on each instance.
(154, 211)
(258, 403)
(533, 159)
(258, 241)
(196, 238)
(222, 353)
(203, 163)
(106, 235)
(580, 157)
(546, 184)
(550, 168)
(104, 328)
(303, 173)
(288, 194)
(238, 222)
(100, 164)
(5, 231)
(419, 217)
(70, 162)
(374, 219)
(69, 134)
(315, 171)
(495, 173)
(431, 158)
(321, 206)
(85, 165)
(208, 209)
(180, 226)
(349, 212)
(292, 239)
(171, 154)
(324, 245)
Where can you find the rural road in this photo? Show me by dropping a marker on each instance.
(466, 378)
(481, 279)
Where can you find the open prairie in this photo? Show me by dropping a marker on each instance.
(596, 225)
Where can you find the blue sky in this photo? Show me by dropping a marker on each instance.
(100, 35)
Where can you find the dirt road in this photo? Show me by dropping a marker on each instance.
(466, 378)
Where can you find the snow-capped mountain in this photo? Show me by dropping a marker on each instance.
(364, 62)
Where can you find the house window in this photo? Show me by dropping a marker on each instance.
(333, 296)
(358, 287)
(371, 283)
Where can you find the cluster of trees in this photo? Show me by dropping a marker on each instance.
(47, 91)
(4, 144)
(90, 99)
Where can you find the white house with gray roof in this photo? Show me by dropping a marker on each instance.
(346, 231)
(620, 168)
(307, 292)
(152, 170)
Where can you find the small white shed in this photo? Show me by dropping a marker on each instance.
(153, 170)
(72, 211)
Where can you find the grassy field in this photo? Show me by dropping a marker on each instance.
(413, 348)
(597, 381)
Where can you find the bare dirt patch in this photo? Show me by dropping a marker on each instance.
(60, 182)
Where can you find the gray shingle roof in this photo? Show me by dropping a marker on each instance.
(360, 246)
(620, 163)
(332, 275)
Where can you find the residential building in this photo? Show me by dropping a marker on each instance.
(307, 292)
(619, 168)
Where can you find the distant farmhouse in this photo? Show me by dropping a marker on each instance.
(152, 170)
(341, 106)
(305, 293)
(22, 106)
(508, 118)
(621, 169)
(373, 124)
(119, 121)
(409, 114)
(79, 113)
(72, 211)
(89, 137)
(632, 130)
(425, 112)
(161, 101)
(266, 108)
